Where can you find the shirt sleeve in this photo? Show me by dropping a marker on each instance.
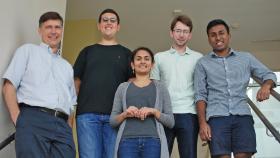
(155, 73)
(259, 70)
(80, 64)
(200, 83)
(166, 116)
(17, 66)
(73, 94)
(117, 106)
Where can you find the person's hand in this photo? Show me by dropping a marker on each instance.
(132, 111)
(205, 132)
(70, 120)
(145, 112)
(263, 93)
(14, 117)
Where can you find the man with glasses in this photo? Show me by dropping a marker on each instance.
(98, 71)
(175, 67)
(221, 79)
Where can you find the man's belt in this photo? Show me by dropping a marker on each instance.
(52, 112)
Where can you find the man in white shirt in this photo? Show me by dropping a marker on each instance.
(175, 67)
(39, 93)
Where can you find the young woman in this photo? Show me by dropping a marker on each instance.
(141, 108)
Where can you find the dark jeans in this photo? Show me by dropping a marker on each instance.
(40, 135)
(139, 148)
(186, 131)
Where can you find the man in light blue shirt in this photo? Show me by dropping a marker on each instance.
(40, 94)
(221, 80)
(175, 67)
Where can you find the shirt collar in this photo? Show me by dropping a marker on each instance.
(172, 51)
(231, 53)
(46, 46)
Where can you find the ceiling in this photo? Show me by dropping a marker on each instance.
(254, 24)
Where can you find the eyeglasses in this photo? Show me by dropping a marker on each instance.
(179, 31)
(106, 20)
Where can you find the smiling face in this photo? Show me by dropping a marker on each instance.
(181, 34)
(142, 62)
(51, 33)
(218, 38)
(108, 25)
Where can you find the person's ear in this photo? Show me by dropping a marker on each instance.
(190, 36)
(118, 27)
(171, 33)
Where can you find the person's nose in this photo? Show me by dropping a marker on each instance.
(142, 61)
(218, 37)
(53, 30)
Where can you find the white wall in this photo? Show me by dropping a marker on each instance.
(19, 23)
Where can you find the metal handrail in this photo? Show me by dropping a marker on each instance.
(7, 141)
(265, 121)
(272, 91)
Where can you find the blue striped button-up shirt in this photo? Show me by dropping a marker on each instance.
(42, 78)
(222, 81)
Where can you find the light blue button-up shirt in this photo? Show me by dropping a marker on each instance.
(176, 71)
(222, 82)
(42, 78)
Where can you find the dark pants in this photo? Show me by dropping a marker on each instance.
(40, 135)
(186, 130)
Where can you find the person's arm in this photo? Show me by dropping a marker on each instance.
(132, 111)
(268, 78)
(165, 116)
(13, 77)
(77, 82)
(264, 91)
(201, 94)
(204, 128)
(72, 114)
(79, 68)
(10, 97)
(118, 115)
(144, 112)
(70, 120)
(73, 92)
